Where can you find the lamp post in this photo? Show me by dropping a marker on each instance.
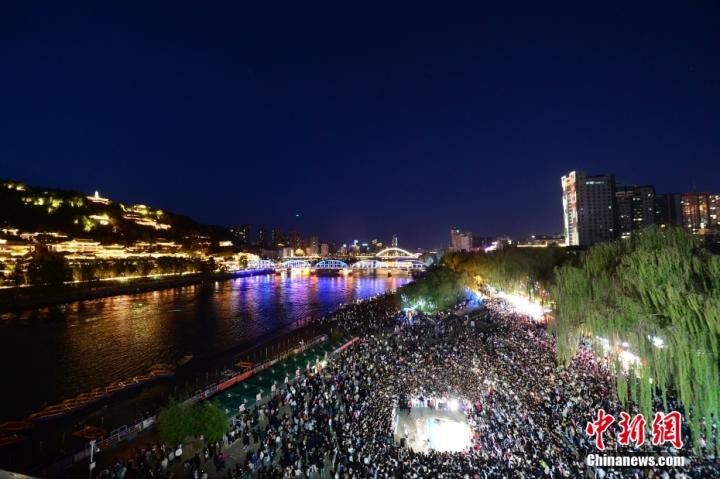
(91, 466)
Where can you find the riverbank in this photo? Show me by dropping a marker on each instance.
(50, 449)
(32, 297)
(88, 345)
(91, 344)
(279, 374)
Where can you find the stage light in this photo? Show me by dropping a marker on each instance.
(523, 305)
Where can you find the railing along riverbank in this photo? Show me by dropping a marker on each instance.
(132, 431)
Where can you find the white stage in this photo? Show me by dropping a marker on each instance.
(439, 430)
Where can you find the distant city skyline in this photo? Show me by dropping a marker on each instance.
(344, 123)
(672, 215)
(602, 207)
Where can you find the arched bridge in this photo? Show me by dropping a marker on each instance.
(367, 264)
(296, 264)
(394, 263)
(388, 260)
(261, 264)
(396, 253)
(331, 264)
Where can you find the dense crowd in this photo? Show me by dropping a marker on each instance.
(528, 415)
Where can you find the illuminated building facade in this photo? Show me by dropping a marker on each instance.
(241, 233)
(699, 212)
(588, 208)
(313, 246)
(714, 211)
(460, 241)
(96, 198)
(596, 208)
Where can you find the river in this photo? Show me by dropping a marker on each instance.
(54, 353)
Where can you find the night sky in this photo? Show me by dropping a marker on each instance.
(365, 120)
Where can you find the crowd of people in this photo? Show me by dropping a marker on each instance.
(528, 414)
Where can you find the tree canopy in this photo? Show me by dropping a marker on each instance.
(48, 268)
(439, 288)
(210, 420)
(177, 421)
(658, 291)
(514, 270)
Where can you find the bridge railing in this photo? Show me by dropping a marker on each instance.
(336, 264)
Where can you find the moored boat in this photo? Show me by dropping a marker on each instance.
(138, 380)
(48, 413)
(90, 433)
(184, 360)
(11, 440)
(14, 426)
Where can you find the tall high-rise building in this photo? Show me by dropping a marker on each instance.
(588, 208)
(394, 241)
(714, 211)
(460, 241)
(293, 239)
(276, 238)
(698, 212)
(596, 208)
(666, 211)
(263, 237)
(634, 208)
(313, 246)
(241, 233)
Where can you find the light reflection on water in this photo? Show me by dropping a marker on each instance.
(54, 353)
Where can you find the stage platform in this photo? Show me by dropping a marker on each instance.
(427, 429)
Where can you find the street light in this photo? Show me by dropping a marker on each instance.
(91, 466)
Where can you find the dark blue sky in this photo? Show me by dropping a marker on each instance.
(366, 119)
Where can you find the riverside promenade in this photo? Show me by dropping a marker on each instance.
(224, 458)
(129, 419)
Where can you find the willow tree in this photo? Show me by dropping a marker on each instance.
(659, 291)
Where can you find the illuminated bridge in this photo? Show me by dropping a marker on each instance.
(395, 253)
(296, 264)
(261, 264)
(331, 264)
(389, 260)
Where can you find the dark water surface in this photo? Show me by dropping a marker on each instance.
(55, 353)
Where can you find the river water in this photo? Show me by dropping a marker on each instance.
(54, 353)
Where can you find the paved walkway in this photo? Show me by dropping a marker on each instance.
(244, 392)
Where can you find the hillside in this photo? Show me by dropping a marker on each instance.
(31, 209)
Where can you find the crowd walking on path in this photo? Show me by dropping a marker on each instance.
(527, 414)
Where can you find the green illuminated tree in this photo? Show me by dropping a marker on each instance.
(210, 421)
(439, 288)
(175, 422)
